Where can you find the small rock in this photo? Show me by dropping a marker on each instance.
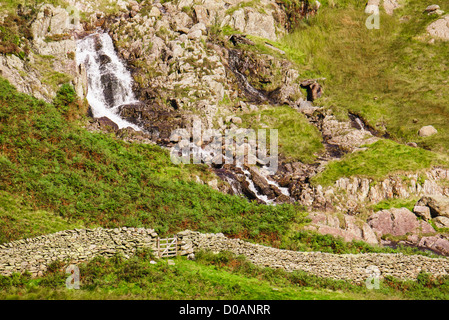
(236, 120)
(427, 131)
(432, 7)
(196, 34)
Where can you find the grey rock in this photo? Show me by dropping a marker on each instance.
(438, 205)
(427, 131)
(423, 212)
(441, 222)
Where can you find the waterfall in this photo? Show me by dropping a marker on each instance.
(109, 82)
(360, 124)
(110, 86)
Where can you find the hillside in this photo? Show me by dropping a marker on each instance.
(96, 96)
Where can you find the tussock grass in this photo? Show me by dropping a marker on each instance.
(379, 160)
(298, 139)
(392, 77)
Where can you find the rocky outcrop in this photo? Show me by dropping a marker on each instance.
(347, 227)
(434, 208)
(352, 194)
(50, 55)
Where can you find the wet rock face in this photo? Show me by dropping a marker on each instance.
(110, 84)
(107, 124)
(157, 120)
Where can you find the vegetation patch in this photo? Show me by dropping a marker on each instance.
(298, 139)
(211, 276)
(391, 76)
(98, 180)
(381, 159)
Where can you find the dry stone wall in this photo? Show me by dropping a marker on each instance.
(351, 267)
(81, 245)
(71, 246)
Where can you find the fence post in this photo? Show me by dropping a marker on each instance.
(176, 246)
(158, 248)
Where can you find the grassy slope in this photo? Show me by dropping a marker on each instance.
(391, 77)
(378, 161)
(298, 139)
(51, 164)
(211, 276)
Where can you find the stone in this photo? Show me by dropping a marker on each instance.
(440, 28)
(438, 205)
(390, 6)
(423, 212)
(441, 222)
(427, 131)
(201, 14)
(236, 120)
(182, 22)
(155, 12)
(261, 25)
(396, 222)
(432, 7)
(196, 34)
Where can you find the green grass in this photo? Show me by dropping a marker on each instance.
(381, 158)
(211, 276)
(298, 139)
(56, 166)
(391, 77)
(307, 240)
(19, 219)
(395, 203)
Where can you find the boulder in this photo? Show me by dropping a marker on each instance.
(436, 243)
(427, 131)
(107, 124)
(422, 212)
(397, 222)
(441, 222)
(438, 205)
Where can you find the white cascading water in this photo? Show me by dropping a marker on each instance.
(105, 68)
(110, 86)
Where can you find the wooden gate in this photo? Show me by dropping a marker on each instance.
(167, 247)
